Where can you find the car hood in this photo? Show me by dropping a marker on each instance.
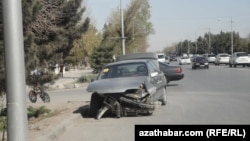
(115, 85)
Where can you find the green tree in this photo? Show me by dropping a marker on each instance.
(83, 47)
(50, 29)
(100, 57)
(137, 28)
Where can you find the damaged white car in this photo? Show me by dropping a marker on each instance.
(127, 87)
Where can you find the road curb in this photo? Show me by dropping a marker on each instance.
(57, 131)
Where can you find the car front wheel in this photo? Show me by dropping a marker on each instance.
(164, 97)
(167, 80)
(95, 104)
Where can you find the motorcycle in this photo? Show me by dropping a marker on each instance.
(38, 90)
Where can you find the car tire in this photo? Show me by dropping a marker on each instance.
(167, 80)
(164, 97)
(95, 105)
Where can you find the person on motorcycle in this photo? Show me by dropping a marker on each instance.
(36, 74)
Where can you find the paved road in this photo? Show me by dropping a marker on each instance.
(219, 95)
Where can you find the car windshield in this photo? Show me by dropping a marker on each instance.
(224, 55)
(161, 56)
(242, 54)
(200, 59)
(211, 55)
(124, 70)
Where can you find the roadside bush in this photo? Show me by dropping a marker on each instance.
(3, 123)
(88, 78)
(33, 112)
(82, 79)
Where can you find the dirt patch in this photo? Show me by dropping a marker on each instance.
(61, 112)
(38, 127)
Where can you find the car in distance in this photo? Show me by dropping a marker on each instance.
(239, 58)
(173, 58)
(128, 87)
(172, 72)
(161, 57)
(200, 62)
(184, 60)
(210, 57)
(222, 58)
(167, 59)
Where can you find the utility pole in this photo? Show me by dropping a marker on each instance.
(122, 30)
(232, 46)
(195, 44)
(209, 41)
(15, 70)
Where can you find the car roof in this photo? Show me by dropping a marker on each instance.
(223, 54)
(239, 52)
(128, 61)
(146, 55)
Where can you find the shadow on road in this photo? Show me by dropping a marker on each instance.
(83, 110)
(171, 85)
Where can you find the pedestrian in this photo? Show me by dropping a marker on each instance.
(61, 69)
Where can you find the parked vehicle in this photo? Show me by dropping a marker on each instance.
(173, 58)
(127, 87)
(167, 59)
(239, 58)
(161, 57)
(200, 62)
(184, 60)
(172, 72)
(210, 57)
(222, 58)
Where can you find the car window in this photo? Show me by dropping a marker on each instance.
(161, 56)
(200, 59)
(211, 55)
(124, 70)
(242, 54)
(152, 67)
(223, 55)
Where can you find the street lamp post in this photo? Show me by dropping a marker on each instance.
(209, 41)
(232, 47)
(122, 30)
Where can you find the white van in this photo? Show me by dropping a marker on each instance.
(161, 57)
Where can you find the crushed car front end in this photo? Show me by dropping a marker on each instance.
(121, 97)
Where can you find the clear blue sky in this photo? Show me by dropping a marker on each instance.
(176, 20)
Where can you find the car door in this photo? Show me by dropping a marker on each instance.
(157, 78)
